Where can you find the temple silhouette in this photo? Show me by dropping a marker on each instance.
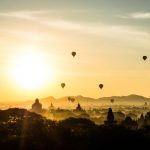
(110, 118)
(79, 108)
(37, 106)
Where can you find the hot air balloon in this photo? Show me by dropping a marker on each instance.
(144, 58)
(63, 85)
(145, 104)
(71, 99)
(101, 86)
(112, 100)
(73, 54)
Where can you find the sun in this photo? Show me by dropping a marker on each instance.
(31, 70)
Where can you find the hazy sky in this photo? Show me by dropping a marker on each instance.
(110, 37)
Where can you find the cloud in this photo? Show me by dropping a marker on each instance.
(136, 15)
(141, 15)
(19, 15)
(99, 29)
(27, 15)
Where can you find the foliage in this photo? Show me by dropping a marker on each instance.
(24, 130)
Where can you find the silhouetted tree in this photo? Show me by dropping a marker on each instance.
(129, 123)
(141, 121)
(24, 130)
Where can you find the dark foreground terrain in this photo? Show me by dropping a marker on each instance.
(23, 130)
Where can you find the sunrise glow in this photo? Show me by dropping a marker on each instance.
(30, 70)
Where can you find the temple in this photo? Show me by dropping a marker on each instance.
(51, 107)
(79, 109)
(37, 106)
(110, 118)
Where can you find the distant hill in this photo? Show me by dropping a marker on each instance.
(85, 101)
(130, 99)
(119, 100)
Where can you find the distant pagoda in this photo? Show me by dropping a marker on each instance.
(37, 106)
(110, 118)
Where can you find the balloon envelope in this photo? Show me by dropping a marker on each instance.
(144, 57)
(112, 100)
(101, 86)
(73, 54)
(63, 85)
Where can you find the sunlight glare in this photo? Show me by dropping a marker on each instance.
(31, 70)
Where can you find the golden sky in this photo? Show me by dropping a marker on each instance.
(37, 39)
